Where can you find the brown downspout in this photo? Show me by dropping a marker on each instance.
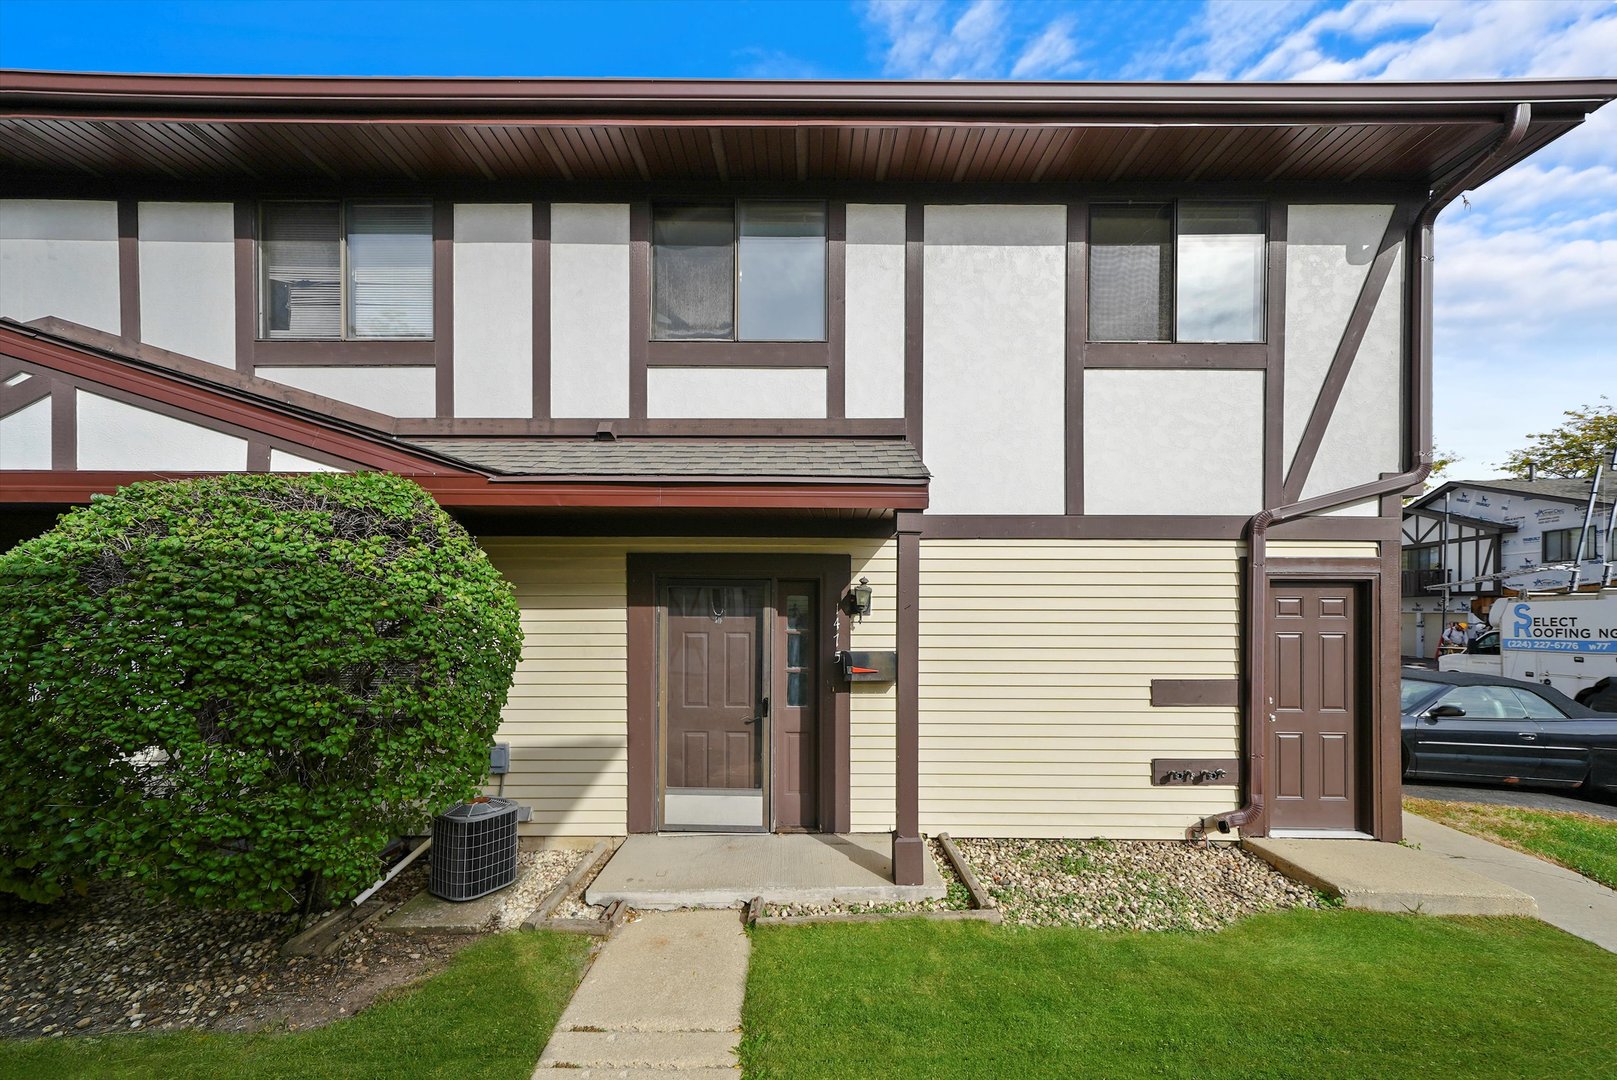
(1419, 346)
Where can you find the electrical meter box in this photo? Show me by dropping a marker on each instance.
(877, 667)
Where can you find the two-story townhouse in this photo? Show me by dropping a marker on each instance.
(1469, 534)
(1080, 412)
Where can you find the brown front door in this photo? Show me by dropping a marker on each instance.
(796, 730)
(715, 704)
(1313, 695)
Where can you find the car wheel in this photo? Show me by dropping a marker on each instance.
(1403, 758)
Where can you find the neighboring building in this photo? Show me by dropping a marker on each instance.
(1049, 367)
(1465, 530)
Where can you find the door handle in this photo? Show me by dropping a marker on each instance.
(1527, 736)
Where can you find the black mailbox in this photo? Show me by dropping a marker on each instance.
(868, 666)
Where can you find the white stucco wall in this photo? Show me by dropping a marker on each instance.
(874, 333)
(60, 257)
(1363, 438)
(735, 393)
(994, 386)
(188, 279)
(117, 436)
(25, 437)
(396, 391)
(281, 461)
(494, 309)
(1329, 249)
(589, 309)
(1173, 442)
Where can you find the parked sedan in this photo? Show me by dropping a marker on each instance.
(1487, 729)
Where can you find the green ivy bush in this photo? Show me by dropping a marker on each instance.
(234, 690)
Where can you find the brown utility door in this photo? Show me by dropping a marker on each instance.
(796, 730)
(1313, 693)
(714, 704)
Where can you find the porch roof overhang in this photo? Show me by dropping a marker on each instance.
(1480, 524)
(281, 132)
(204, 393)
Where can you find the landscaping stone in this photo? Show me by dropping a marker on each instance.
(537, 873)
(1128, 884)
(115, 960)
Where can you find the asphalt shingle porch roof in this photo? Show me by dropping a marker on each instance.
(790, 460)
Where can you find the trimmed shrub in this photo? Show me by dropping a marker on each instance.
(235, 690)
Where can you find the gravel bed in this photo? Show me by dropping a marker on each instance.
(538, 872)
(1129, 884)
(956, 899)
(117, 961)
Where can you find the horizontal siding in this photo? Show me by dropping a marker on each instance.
(1036, 660)
(566, 717)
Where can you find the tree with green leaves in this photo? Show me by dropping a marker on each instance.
(1573, 449)
(234, 690)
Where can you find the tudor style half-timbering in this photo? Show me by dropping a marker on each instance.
(1000, 459)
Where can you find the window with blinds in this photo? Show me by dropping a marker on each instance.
(1188, 272)
(748, 271)
(345, 270)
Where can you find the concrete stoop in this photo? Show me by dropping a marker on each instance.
(662, 999)
(1373, 876)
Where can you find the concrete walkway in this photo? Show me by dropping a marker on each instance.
(1372, 876)
(663, 999)
(1565, 899)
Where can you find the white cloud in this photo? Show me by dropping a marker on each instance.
(983, 39)
(1053, 52)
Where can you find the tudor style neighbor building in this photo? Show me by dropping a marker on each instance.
(1105, 393)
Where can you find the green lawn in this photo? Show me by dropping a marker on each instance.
(1580, 842)
(488, 1016)
(1306, 994)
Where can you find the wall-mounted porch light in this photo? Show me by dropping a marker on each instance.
(857, 602)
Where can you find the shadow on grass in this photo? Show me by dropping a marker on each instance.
(487, 1017)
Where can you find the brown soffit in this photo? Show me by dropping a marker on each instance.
(657, 131)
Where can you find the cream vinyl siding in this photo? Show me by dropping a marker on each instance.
(1036, 661)
(567, 715)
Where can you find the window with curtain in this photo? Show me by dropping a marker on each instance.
(351, 270)
(747, 271)
(1187, 271)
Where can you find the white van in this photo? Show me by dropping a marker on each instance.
(1568, 640)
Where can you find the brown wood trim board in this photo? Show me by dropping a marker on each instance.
(129, 269)
(541, 310)
(1195, 693)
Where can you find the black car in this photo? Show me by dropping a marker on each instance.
(1487, 729)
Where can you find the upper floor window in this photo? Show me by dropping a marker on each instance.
(1186, 271)
(744, 271)
(1422, 558)
(349, 270)
(1561, 545)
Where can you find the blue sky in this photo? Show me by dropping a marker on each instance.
(1526, 301)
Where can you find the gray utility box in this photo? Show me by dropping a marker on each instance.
(474, 849)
